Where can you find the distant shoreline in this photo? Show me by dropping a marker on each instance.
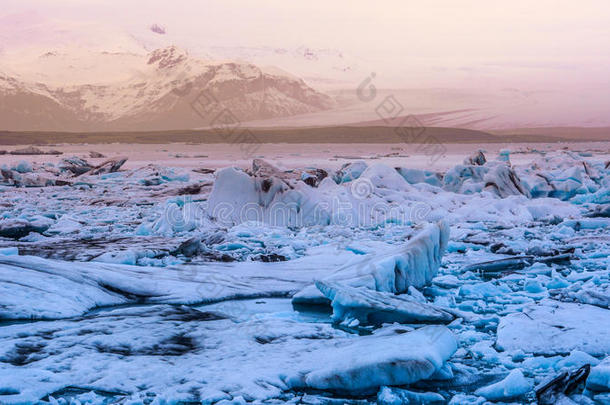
(313, 135)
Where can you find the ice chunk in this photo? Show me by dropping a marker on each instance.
(385, 177)
(414, 264)
(16, 228)
(122, 257)
(23, 166)
(398, 396)
(601, 196)
(350, 171)
(498, 267)
(109, 166)
(592, 292)
(599, 378)
(587, 223)
(553, 327)
(10, 251)
(513, 386)
(504, 181)
(477, 158)
(504, 155)
(374, 361)
(414, 176)
(64, 225)
(179, 216)
(376, 197)
(463, 399)
(576, 359)
(377, 307)
(456, 178)
(237, 197)
(549, 208)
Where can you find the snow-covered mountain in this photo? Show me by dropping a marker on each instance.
(166, 89)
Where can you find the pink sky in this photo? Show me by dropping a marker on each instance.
(541, 63)
(431, 43)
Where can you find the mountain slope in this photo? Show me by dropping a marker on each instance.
(171, 90)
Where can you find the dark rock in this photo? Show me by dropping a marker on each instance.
(109, 166)
(191, 189)
(75, 165)
(96, 155)
(189, 248)
(565, 383)
(18, 228)
(271, 257)
(313, 177)
(204, 170)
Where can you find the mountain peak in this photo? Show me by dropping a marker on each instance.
(167, 57)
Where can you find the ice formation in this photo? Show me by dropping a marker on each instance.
(395, 270)
(552, 327)
(513, 386)
(369, 306)
(599, 378)
(160, 285)
(395, 360)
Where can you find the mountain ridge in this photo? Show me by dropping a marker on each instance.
(160, 96)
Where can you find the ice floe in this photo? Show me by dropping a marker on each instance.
(553, 327)
(392, 360)
(376, 307)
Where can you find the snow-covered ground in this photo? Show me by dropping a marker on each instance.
(355, 275)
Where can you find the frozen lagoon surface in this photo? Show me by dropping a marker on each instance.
(353, 281)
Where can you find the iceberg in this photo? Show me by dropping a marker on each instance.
(415, 264)
(504, 181)
(378, 307)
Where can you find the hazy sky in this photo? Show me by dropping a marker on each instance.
(530, 43)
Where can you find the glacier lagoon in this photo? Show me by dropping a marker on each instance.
(363, 283)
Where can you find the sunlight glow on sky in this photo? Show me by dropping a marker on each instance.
(536, 44)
